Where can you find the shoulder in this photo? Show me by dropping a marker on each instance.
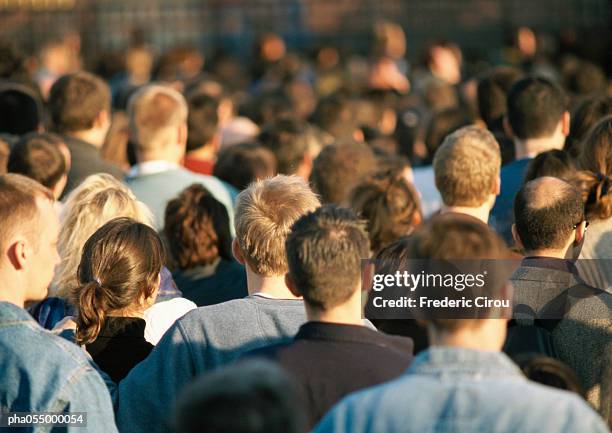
(216, 315)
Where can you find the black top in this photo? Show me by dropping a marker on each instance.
(210, 285)
(120, 346)
(86, 160)
(330, 360)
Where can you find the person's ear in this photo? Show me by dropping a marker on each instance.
(102, 120)
(496, 186)
(516, 237)
(508, 128)
(181, 136)
(580, 233)
(18, 254)
(237, 252)
(291, 286)
(367, 276)
(417, 219)
(305, 166)
(565, 123)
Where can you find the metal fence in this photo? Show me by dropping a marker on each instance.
(478, 25)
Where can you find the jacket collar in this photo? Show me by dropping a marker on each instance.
(444, 360)
(12, 313)
(337, 332)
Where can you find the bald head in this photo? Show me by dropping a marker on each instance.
(546, 211)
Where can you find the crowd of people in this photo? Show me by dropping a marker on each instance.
(185, 246)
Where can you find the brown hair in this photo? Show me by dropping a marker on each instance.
(265, 212)
(119, 269)
(76, 100)
(18, 208)
(38, 157)
(595, 179)
(466, 166)
(390, 205)
(339, 167)
(324, 253)
(197, 228)
(446, 237)
(241, 164)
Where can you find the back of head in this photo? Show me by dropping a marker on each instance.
(76, 100)
(196, 226)
(155, 112)
(339, 167)
(334, 115)
(389, 204)
(202, 120)
(324, 253)
(18, 206)
(492, 92)
(555, 163)
(287, 139)
(241, 164)
(118, 272)
(451, 237)
(586, 115)
(595, 179)
(248, 397)
(546, 211)
(21, 110)
(96, 201)
(440, 95)
(265, 212)
(467, 166)
(38, 157)
(586, 78)
(535, 108)
(441, 124)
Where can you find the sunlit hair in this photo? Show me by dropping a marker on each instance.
(154, 113)
(265, 212)
(99, 199)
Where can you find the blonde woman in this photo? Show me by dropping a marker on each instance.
(99, 199)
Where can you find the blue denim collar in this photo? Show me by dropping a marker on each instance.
(12, 313)
(445, 360)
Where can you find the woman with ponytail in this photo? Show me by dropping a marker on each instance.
(118, 276)
(595, 182)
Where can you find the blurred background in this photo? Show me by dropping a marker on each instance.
(98, 28)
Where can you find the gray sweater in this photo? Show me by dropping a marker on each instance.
(200, 341)
(583, 336)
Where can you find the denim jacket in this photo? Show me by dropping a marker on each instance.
(40, 372)
(452, 390)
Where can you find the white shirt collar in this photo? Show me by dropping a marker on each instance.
(151, 167)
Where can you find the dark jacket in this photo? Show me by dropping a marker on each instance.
(330, 360)
(120, 346)
(207, 285)
(86, 160)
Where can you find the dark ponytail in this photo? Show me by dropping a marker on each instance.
(119, 267)
(91, 312)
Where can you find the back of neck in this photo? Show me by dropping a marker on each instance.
(481, 212)
(531, 147)
(273, 287)
(90, 136)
